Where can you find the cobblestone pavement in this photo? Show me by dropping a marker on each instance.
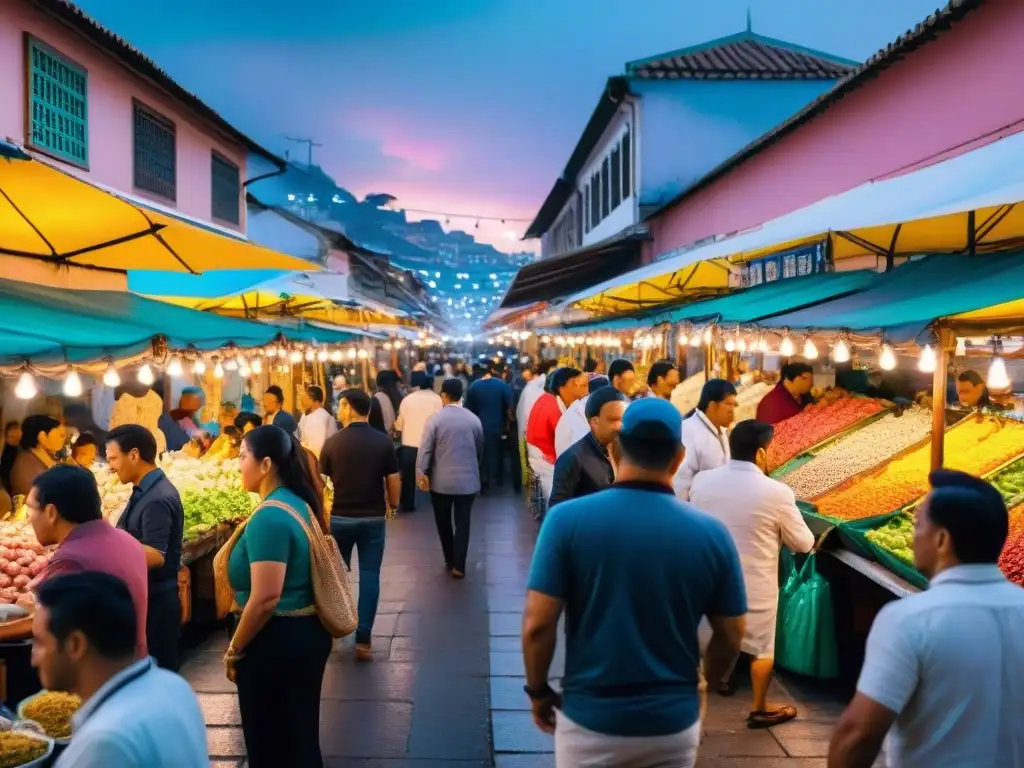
(445, 688)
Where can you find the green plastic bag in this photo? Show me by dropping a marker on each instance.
(805, 640)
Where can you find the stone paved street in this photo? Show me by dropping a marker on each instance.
(445, 688)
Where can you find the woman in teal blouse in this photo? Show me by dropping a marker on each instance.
(279, 650)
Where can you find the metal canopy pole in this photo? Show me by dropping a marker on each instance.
(940, 380)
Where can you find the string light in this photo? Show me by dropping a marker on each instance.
(810, 350)
(997, 377)
(352, 354)
(322, 356)
(26, 388)
(707, 335)
(243, 371)
(786, 347)
(111, 377)
(742, 345)
(363, 354)
(545, 339)
(198, 368)
(762, 344)
(887, 360)
(174, 367)
(336, 356)
(231, 364)
(841, 352)
(730, 344)
(73, 384)
(961, 347)
(927, 362)
(218, 371)
(310, 355)
(295, 356)
(146, 375)
(257, 367)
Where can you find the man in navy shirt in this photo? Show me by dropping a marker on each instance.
(490, 398)
(635, 569)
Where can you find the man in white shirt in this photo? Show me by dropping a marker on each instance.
(574, 425)
(316, 424)
(706, 433)
(761, 515)
(942, 670)
(531, 394)
(416, 407)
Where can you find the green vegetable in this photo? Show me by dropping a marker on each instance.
(897, 537)
(207, 509)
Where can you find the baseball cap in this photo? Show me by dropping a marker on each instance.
(652, 419)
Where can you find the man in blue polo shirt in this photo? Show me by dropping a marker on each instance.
(635, 570)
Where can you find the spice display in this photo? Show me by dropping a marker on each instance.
(896, 536)
(857, 452)
(53, 711)
(21, 560)
(18, 749)
(976, 446)
(815, 423)
(1011, 561)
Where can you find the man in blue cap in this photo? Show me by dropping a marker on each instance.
(635, 569)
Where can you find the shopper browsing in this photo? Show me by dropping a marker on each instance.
(631, 690)
(490, 398)
(585, 467)
(574, 425)
(316, 424)
(418, 406)
(942, 669)
(274, 413)
(622, 376)
(662, 378)
(567, 386)
(706, 433)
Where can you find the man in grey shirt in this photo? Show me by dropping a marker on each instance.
(448, 465)
(942, 671)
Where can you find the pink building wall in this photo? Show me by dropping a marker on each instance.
(111, 88)
(960, 91)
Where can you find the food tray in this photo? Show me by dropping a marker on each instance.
(44, 759)
(24, 702)
(789, 465)
(16, 629)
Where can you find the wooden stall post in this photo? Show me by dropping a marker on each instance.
(939, 382)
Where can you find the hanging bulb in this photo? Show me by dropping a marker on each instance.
(310, 355)
(841, 352)
(244, 371)
(545, 339)
(352, 354)
(174, 367)
(73, 384)
(997, 379)
(730, 344)
(887, 360)
(295, 356)
(218, 371)
(26, 388)
(231, 364)
(786, 347)
(926, 363)
(322, 355)
(762, 344)
(257, 367)
(742, 345)
(146, 375)
(243, 362)
(363, 354)
(111, 377)
(336, 356)
(810, 350)
(695, 339)
(961, 346)
(199, 366)
(707, 336)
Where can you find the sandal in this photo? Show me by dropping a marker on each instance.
(726, 689)
(771, 718)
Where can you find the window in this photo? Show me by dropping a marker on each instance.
(586, 208)
(616, 177)
(595, 200)
(226, 189)
(57, 105)
(605, 191)
(155, 153)
(627, 159)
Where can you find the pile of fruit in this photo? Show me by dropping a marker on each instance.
(1011, 561)
(21, 560)
(1010, 482)
(897, 537)
(859, 451)
(976, 446)
(815, 423)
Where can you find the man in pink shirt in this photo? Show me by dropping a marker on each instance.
(64, 508)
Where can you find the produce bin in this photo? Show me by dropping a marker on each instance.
(853, 533)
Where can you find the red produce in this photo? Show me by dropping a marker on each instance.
(26, 560)
(13, 569)
(38, 566)
(5, 581)
(20, 582)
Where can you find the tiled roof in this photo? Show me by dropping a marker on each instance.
(746, 56)
(70, 14)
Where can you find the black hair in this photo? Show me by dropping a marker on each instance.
(714, 391)
(387, 382)
(973, 512)
(563, 376)
(590, 366)
(275, 390)
(452, 389)
(972, 376)
(11, 425)
(32, 426)
(748, 437)
(316, 394)
(94, 603)
(72, 491)
(659, 370)
(134, 436)
(792, 371)
(596, 382)
(544, 367)
(651, 455)
(376, 416)
(289, 459)
(84, 441)
(358, 400)
(248, 417)
(618, 367)
(600, 399)
(420, 380)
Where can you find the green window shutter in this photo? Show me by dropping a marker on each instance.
(58, 104)
(226, 189)
(156, 160)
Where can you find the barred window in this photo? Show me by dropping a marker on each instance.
(226, 189)
(58, 104)
(155, 153)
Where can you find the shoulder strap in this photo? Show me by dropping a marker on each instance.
(295, 515)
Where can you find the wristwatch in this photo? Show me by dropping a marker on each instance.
(539, 693)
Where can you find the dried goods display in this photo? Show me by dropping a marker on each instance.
(22, 559)
(686, 395)
(833, 413)
(1011, 561)
(52, 710)
(896, 536)
(976, 446)
(18, 748)
(859, 451)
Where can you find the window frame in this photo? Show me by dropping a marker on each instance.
(216, 157)
(31, 41)
(167, 122)
(626, 146)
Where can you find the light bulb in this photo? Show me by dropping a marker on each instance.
(257, 367)
(72, 384)
(111, 377)
(352, 354)
(218, 371)
(961, 346)
(231, 364)
(199, 367)
(579, 339)
(322, 355)
(146, 375)
(295, 356)
(707, 335)
(786, 347)
(174, 367)
(810, 350)
(997, 378)
(887, 360)
(841, 352)
(762, 344)
(387, 345)
(310, 354)
(545, 339)
(242, 362)
(730, 344)
(742, 345)
(244, 371)
(336, 356)
(695, 339)
(926, 363)
(399, 344)
(363, 354)
(490, 341)
(589, 341)
(26, 388)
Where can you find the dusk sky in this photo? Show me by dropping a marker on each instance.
(470, 106)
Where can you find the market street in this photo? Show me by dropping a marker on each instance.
(445, 687)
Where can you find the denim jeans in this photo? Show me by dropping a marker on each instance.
(366, 534)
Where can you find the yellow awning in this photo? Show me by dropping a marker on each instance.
(50, 215)
(698, 280)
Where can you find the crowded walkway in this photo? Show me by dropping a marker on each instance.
(445, 687)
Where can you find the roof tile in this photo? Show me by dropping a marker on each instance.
(750, 57)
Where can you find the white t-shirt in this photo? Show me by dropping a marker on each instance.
(415, 409)
(314, 429)
(572, 427)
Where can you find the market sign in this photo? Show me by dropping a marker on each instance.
(797, 262)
